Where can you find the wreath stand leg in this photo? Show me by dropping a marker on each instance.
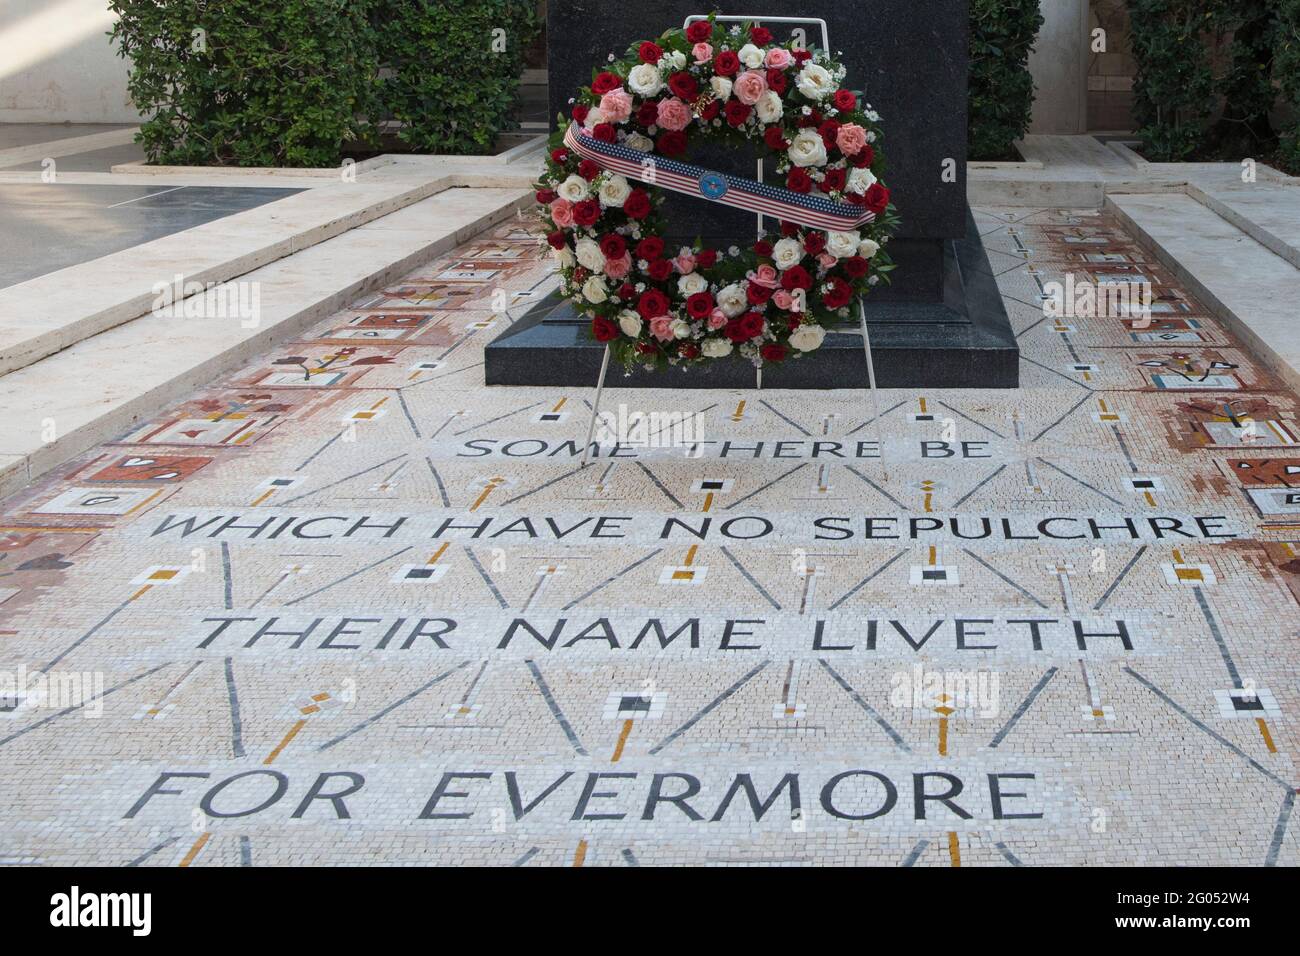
(595, 407)
(871, 380)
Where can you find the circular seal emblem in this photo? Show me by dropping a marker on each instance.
(713, 186)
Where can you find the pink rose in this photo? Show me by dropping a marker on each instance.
(783, 299)
(778, 58)
(562, 213)
(765, 275)
(685, 262)
(826, 260)
(850, 138)
(616, 105)
(749, 87)
(662, 328)
(674, 114)
(618, 268)
(702, 52)
(717, 319)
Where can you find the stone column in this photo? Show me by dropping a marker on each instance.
(1059, 64)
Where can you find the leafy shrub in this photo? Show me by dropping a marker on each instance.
(1286, 68)
(452, 69)
(247, 82)
(1001, 90)
(1174, 85)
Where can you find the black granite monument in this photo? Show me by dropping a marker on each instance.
(939, 323)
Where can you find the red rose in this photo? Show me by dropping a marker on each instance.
(793, 321)
(737, 112)
(626, 291)
(671, 142)
(559, 156)
(772, 352)
(814, 242)
(735, 332)
(772, 136)
(689, 350)
(838, 295)
(798, 180)
(637, 204)
(877, 198)
(834, 179)
(796, 277)
(604, 132)
(652, 304)
(556, 239)
(699, 31)
(855, 267)
(684, 86)
(603, 329)
(546, 196)
(789, 229)
(751, 323)
(586, 213)
(580, 275)
(699, 305)
(776, 81)
(588, 170)
(865, 158)
(844, 100)
(604, 83)
(580, 112)
(613, 246)
(647, 348)
(801, 56)
(710, 111)
(706, 258)
(757, 294)
(650, 52)
(763, 248)
(855, 199)
(828, 131)
(660, 269)
(726, 64)
(651, 247)
(761, 36)
(647, 114)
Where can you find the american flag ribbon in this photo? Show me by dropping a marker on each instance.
(804, 209)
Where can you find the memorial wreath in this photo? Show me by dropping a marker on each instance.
(656, 306)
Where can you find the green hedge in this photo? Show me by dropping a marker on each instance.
(454, 69)
(1286, 68)
(1174, 86)
(290, 82)
(1001, 91)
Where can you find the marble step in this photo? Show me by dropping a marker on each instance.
(1245, 283)
(1270, 216)
(96, 389)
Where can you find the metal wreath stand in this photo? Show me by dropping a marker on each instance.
(758, 372)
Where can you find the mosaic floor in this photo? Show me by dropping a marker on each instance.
(349, 606)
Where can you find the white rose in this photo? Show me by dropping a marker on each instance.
(868, 248)
(680, 328)
(589, 255)
(786, 253)
(721, 87)
(594, 117)
(692, 283)
(678, 59)
(732, 301)
(563, 257)
(593, 290)
(807, 148)
(630, 323)
(814, 81)
(807, 337)
(644, 80)
(860, 180)
(573, 189)
(642, 144)
(842, 244)
(751, 56)
(716, 348)
(769, 107)
(614, 191)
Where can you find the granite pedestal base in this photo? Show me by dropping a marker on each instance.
(962, 341)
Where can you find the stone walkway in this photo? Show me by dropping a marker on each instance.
(350, 606)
